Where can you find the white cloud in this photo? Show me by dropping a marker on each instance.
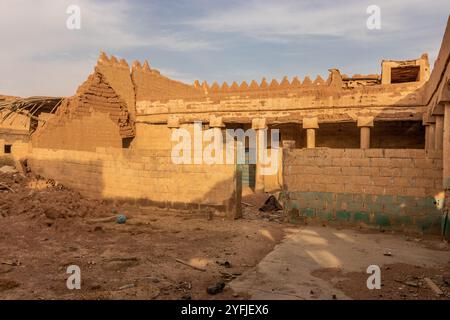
(40, 56)
(280, 21)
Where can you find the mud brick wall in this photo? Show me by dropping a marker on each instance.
(150, 85)
(144, 177)
(387, 188)
(117, 75)
(95, 117)
(80, 133)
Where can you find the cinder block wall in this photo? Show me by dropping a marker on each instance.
(387, 188)
(145, 177)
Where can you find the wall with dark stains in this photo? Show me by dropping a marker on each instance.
(386, 188)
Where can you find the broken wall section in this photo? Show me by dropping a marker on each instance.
(117, 74)
(95, 117)
(386, 188)
(143, 177)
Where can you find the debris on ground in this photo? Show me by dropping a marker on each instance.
(271, 204)
(101, 220)
(8, 284)
(8, 170)
(434, 287)
(225, 264)
(414, 284)
(5, 187)
(48, 225)
(121, 219)
(217, 288)
(412, 280)
(127, 286)
(264, 202)
(190, 265)
(13, 263)
(226, 276)
(42, 199)
(447, 281)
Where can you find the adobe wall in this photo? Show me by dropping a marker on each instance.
(330, 105)
(150, 85)
(83, 133)
(95, 117)
(14, 133)
(117, 74)
(151, 136)
(14, 122)
(387, 188)
(437, 115)
(144, 177)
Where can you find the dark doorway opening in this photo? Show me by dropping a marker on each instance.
(7, 148)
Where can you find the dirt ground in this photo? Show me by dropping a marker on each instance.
(399, 282)
(44, 228)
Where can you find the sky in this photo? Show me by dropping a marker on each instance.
(209, 40)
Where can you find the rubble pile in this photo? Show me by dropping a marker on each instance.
(36, 196)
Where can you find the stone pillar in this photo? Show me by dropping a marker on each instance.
(439, 132)
(173, 123)
(311, 125)
(446, 147)
(365, 123)
(310, 138)
(429, 122)
(431, 136)
(386, 67)
(259, 124)
(216, 123)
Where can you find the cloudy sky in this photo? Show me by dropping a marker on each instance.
(209, 40)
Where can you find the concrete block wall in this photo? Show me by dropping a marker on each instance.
(145, 177)
(387, 188)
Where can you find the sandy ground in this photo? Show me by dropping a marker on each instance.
(326, 263)
(45, 227)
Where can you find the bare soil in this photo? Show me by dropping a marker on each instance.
(399, 281)
(45, 227)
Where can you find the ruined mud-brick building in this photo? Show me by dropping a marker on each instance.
(368, 150)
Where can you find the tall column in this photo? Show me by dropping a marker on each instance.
(430, 133)
(311, 125)
(173, 123)
(216, 124)
(431, 136)
(310, 138)
(439, 132)
(365, 123)
(427, 136)
(259, 124)
(446, 147)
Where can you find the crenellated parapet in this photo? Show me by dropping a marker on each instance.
(154, 96)
(117, 73)
(265, 87)
(149, 85)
